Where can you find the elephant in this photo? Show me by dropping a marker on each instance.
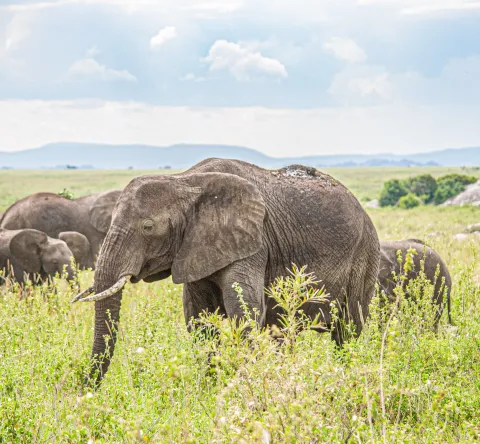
(80, 247)
(53, 214)
(224, 221)
(32, 254)
(389, 265)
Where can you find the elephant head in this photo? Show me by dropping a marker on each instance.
(189, 226)
(101, 208)
(80, 247)
(35, 253)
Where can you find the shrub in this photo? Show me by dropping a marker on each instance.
(66, 193)
(409, 201)
(447, 189)
(392, 191)
(423, 186)
(461, 178)
(451, 185)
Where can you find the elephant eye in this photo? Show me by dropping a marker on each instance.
(148, 226)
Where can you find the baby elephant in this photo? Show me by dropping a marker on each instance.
(31, 254)
(389, 264)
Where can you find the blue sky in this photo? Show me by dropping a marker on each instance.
(283, 76)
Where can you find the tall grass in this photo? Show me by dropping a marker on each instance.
(398, 382)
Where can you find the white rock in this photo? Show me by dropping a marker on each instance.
(470, 196)
(372, 204)
(472, 228)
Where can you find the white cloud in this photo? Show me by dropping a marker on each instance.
(427, 7)
(92, 52)
(458, 83)
(243, 63)
(362, 84)
(18, 30)
(89, 67)
(190, 77)
(345, 49)
(277, 132)
(163, 36)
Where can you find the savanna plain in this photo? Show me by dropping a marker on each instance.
(398, 382)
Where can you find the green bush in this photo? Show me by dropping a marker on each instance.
(461, 178)
(451, 185)
(423, 186)
(67, 193)
(447, 189)
(392, 191)
(409, 201)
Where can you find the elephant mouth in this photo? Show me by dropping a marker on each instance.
(152, 275)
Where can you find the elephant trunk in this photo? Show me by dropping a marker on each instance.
(109, 271)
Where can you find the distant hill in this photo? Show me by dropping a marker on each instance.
(85, 155)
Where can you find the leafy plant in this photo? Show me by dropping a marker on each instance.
(409, 201)
(423, 186)
(391, 193)
(66, 193)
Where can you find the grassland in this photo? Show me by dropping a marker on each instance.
(398, 382)
(366, 183)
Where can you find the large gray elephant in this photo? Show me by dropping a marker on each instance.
(53, 214)
(226, 221)
(32, 254)
(389, 265)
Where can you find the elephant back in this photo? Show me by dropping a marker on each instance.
(47, 212)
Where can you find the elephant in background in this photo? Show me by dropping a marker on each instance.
(80, 247)
(225, 221)
(389, 264)
(32, 254)
(53, 214)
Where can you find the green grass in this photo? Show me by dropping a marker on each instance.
(399, 384)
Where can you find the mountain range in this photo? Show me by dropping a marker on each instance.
(88, 155)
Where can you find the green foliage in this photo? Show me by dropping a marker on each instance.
(447, 189)
(66, 193)
(455, 177)
(409, 201)
(423, 186)
(391, 193)
(398, 382)
(451, 185)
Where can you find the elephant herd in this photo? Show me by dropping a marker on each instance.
(220, 222)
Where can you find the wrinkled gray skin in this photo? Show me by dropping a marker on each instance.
(54, 214)
(80, 247)
(32, 254)
(226, 221)
(389, 264)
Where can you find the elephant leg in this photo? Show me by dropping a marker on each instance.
(198, 297)
(249, 274)
(360, 291)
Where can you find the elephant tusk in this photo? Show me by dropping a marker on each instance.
(83, 294)
(115, 288)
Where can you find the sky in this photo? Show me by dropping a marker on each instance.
(285, 77)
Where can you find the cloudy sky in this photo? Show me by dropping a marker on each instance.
(282, 76)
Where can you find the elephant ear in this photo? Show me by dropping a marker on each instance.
(77, 243)
(225, 224)
(101, 210)
(26, 247)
